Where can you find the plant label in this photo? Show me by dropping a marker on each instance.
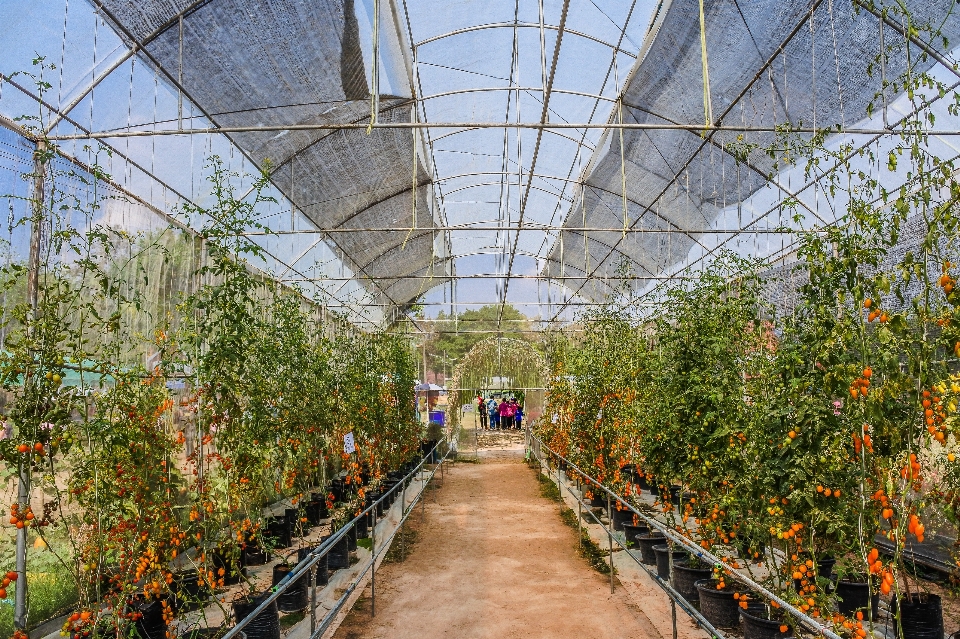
(348, 446)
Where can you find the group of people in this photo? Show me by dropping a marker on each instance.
(499, 414)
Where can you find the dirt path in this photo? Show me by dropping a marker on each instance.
(494, 560)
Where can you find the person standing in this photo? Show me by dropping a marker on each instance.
(506, 414)
(494, 413)
(518, 415)
(482, 411)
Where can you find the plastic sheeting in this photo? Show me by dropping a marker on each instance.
(770, 63)
(246, 64)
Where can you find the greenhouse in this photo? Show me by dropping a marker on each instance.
(328, 319)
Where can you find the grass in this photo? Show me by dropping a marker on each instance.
(588, 549)
(402, 545)
(288, 621)
(366, 542)
(52, 592)
(467, 460)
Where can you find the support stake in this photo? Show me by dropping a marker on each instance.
(373, 563)
(610, 538)
(313, 599)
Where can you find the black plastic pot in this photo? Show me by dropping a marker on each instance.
(230, 567)
(853, 594)
(292, 515)
(209, 633)
(362, 528)
(150, 623)
(641, 481)
(758, 625)
(338, 556)
(323, 575)
(186, 591)
(254, 556)
(646, 543)
(372, 498)
(686, 577)
(294, 598)
(266, 625)
(278, 532)
(621, 517)
(718, 606)
(920, 617)
(312, 511)
(339, 489)
(675, 495)
(599, 499)
(630, 532)
(662, 553)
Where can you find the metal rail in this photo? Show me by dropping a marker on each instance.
(309, 562)
(665, 584)
(332, 613)
(642, 126)
(809, 622)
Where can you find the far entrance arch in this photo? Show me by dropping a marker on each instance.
(496, 365)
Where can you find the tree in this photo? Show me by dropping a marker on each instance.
(452, 336)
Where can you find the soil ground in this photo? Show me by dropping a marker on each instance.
(493, 559)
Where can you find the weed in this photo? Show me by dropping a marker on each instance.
(589, 550)
(402, 545)
(289, 620)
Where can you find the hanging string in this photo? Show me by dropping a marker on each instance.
(375, 71)
(413, 223)
(707, 105)
(623, 164)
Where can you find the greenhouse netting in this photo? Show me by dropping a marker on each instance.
(693, 260)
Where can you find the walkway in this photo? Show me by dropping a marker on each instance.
(494, 560)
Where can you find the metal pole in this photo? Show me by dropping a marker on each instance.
(313, 599)
(610, 538)
(403, 519)
(579, 517)
(373, 562)
(33, 293)
(673, 615)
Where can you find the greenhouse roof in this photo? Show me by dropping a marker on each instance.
(523, 151)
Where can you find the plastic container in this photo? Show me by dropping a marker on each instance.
(266, 625)
(920, 617)
(646, 543)
(323, 575)
(150, 624)
(621, 517)
(853, 593)
(662, 552)
(338, 556)
(294, 598)
(718, 606)
(757, 624)
(630, 532)
(685, 578)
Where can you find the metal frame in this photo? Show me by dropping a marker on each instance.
(521, 25)
(535, 445)
(310, 561)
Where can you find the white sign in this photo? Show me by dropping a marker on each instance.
(348, 445)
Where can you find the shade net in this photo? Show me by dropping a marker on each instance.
(369, 223)
(770, 63)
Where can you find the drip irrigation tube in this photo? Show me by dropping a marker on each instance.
(305, 566)
(807, 621)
